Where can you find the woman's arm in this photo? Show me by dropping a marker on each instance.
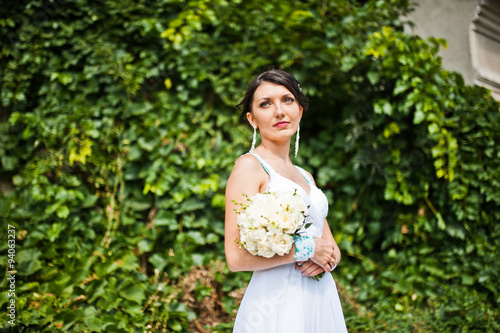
(327, 233)
(310, 268)
(248, 177)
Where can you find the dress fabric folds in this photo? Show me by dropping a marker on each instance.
(280, 299)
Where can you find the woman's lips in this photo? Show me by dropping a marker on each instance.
(281, 124)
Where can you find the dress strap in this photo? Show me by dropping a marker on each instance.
(269, 169)
(304, 174)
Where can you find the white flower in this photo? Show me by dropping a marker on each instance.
(289, 222)
(244, 222)
(265, 251)
(258, 218)
(256, 236)
(269, 221)
(281, 243)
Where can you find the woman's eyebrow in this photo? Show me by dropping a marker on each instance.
(268, 98)
(263, 98)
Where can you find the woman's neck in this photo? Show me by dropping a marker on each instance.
(274, 150)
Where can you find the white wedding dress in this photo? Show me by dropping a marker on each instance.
(280, 299)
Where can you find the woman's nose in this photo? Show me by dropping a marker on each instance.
(279, 110)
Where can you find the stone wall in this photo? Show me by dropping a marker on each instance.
(472, 30)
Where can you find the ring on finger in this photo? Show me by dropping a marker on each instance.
(333, 265)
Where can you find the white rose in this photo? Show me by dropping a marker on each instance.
(243, 236)
(291, 201)
(252, 249)
(299, 217)
(256, 236)
(284, 199)
(258, 202)
(258, 218)
(265, 250)
(244, 222)
(281, 244)
(250, 246)
(289, 222)
(299, 204)
(269, 221)
(259, 210)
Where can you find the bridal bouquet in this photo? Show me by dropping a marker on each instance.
(268, 222)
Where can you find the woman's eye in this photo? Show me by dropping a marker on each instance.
(264, 104)
(289, 100)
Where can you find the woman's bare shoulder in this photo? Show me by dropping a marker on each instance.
(248, 164)
(247, 176)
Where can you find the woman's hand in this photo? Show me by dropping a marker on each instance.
(309, 268)
(324, 254)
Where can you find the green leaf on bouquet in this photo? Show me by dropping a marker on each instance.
(319, 276)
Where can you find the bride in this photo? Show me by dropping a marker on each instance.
(282, 296)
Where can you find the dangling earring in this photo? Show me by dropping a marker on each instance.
(254, 138)
(297, 141)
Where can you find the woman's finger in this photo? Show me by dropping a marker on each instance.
(310, 268)
(314, 270)
(306, 266)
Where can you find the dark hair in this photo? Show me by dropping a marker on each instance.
(276, 76)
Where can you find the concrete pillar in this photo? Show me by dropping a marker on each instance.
(448, 19)
(485, 45)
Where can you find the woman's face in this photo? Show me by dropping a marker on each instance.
(275, 112)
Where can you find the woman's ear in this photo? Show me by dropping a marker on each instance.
(251, 120)
(301, 111)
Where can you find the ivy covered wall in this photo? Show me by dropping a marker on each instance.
(118, 132)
